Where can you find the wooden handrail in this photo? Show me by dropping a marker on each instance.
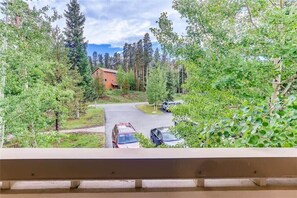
(106, 164)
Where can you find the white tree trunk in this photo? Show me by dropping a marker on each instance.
(77, 109)
(2, 87)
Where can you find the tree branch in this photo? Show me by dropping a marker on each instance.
(250, 14)
(288, 80)
(287, 89)
(272, 3)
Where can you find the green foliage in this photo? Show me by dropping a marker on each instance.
(93, 117)
(254, 126)
(232, 51)
(143, 141)
(120, 77)
(40, 89)
(124, 79)
(76, 46)
(131, 80)
(61, 140)
(156, 86)
(170, 85)
(99, 86)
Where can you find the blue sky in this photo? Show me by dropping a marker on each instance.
(115, 22)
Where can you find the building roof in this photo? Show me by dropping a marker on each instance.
(107, 70)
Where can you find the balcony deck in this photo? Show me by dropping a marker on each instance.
(148, 172)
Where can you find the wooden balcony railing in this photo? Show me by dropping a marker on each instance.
(75, 165)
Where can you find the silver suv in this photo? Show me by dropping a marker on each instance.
(168, 104)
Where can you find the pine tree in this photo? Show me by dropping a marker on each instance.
(132, 49)
(126, 57)
(139, 67)
(75, 42)
(100, 60)
(106, 60)
(147, 53)
(95, 60)
(66, 92)
(90, 61)
(157, 56)
(164, 57)
(147, 49)
(170, 85)
(117, 60)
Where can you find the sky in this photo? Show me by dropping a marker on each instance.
(116, 22)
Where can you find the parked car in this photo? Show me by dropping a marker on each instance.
(167, 105)
(123, 136)
(163, 135)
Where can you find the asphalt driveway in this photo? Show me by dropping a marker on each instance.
(115, 113)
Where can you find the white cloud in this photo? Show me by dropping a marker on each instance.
(118, 21)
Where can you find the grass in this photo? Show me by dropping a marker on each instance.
(115, 96)
(63, 140)
(93, 117)
(149, 109)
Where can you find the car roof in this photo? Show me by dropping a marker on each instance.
(164, 129)
(125, 128)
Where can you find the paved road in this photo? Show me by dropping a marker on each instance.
(115, 113)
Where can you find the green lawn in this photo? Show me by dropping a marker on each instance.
(115, 96)
(93, 117)
(149, 109)
(73, 140)
(63, 140)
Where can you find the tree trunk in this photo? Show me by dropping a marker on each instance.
(77, 110)
(2, 88)
(33, 133)
(57, 125)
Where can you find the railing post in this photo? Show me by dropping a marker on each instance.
(138, 183)
(74, 184)
(199, 182)
(6, 185)
(260, 181)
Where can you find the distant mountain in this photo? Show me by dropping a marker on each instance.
(107, 48)
(102, 49)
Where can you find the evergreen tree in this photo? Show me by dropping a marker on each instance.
(170, 85)
(139, 67)
(157, 56)
(126, 56)
(75, 42)
(95, 60)
(90, 61)
(147, 53)
(100, 60)
(117, 60)
(131, 49)
(164, 57)
(65, 81)
(106, 60)
(147, 50)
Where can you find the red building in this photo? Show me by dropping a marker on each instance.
(108, 76)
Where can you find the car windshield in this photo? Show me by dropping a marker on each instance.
(127, 139)
(168, 137)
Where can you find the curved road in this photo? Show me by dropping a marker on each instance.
(115, 113)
